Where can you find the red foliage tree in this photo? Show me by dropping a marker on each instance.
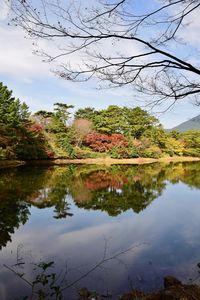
(103, 142)
(36, 128)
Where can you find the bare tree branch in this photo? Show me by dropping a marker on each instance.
(96, 41)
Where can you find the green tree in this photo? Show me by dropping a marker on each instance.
(175, 134)
(157, 135)
(14, 121)
(110, 120)
(191, 139)
(125, 120)
(139, 121)
(60, 117)
(85, 113)
(13, 114)
(62, 112)
(20, 138)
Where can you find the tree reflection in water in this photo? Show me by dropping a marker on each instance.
(114, 189)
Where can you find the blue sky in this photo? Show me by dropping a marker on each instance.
(33, 82)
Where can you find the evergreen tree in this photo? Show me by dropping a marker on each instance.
(85, 113)
(13, 114)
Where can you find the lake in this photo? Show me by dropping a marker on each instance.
(109, 229)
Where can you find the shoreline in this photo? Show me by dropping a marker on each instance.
(4, 164)
(97, 161)
(125, 161)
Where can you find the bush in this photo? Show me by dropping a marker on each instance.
(115, 153)
(191, 152)
(86, 153)
(140, 146)
(152, 152)
(64, 143)
(124, 152)
(169, 152)
(27, 150)
(103, 142)
(174, 147)
(7, 153)
(36, 128)
(133, 152)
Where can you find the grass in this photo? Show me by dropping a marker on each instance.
(99, 161)
(131, 161)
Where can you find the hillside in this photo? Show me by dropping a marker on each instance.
(193, 123)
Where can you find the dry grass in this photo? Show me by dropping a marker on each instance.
(129, 161)
(98, 161)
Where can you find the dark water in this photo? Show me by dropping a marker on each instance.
(107, 229)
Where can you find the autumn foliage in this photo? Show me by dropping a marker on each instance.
(104, 142)
(117, 132)
(36, 128)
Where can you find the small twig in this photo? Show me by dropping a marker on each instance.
(18, 274)
(104, 260)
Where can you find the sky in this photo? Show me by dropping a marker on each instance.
(33, 82)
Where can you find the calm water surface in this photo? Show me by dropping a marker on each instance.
(138, 223)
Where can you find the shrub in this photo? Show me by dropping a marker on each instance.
(132, 151)
(152, 152)
(103, 142)
(115, 153)
(64, 142)
(124, 152)
(7, 153)
(174, 147)
(36, 128)
(86, 153)
(191, 152)
(50, 153)
(139, 146)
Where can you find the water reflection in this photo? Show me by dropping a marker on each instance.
(114, 190)
(87, 202)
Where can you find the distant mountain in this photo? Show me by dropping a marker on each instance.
(193, 123)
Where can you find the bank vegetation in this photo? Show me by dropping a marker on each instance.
(112, 133)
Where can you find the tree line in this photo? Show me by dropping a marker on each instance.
(117, 132)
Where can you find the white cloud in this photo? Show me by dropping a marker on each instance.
(18, 62)
(16, 57)
(4, 9)
(190, 31)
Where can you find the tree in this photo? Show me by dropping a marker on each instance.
(13, 114)
(139, 121)
(82, 128)
(156, 63)
(60, 117)
(20, 137)
(103, 142)
(110, 120)
(62, 111)
(14, 121)
(43, 117)
(85, 113)
(124, 120)
(191, 139)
